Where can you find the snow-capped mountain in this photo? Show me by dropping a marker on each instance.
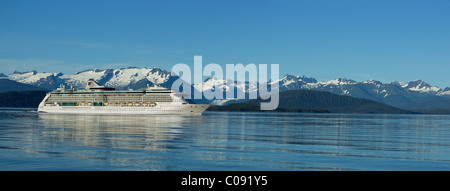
(293, 82)
(118, 78)
(407, 95)
(445, 92)
(399, 94)
(421, 86)
(41, 80)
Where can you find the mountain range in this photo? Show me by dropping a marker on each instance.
(414, 95)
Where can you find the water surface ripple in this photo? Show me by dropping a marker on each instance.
(223, 141)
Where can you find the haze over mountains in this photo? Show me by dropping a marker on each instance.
(414, 95)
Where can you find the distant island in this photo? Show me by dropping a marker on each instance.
(312, 101)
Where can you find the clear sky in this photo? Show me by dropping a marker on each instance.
(384, 40)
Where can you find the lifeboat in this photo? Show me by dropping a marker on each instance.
(82, 103)
(137, 103)
(153, 104)
(89, 103)
(105, 103)
(130, 103)
(144, 104)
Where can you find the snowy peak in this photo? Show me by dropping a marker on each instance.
(289, 82)
(308, 80)
(421, 86)
(93, 71)
(78, 80)
(118, 78)
(345, 81)
(417, 83)
(43, 80)
(288, 77)
(212, 83)
(445, 92)
(374, 82)
(303, 78)
(339, 82)
(399, 83)
(121, 78)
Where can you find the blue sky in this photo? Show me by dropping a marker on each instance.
(383, 40)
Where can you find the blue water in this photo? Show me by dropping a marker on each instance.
(222, 141)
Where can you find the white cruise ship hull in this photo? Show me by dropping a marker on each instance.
(168, 109)
(96, 99)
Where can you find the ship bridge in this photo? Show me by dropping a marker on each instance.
(92, 85)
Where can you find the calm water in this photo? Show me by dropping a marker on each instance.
(223, 141)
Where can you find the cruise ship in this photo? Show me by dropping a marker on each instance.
(103, 100)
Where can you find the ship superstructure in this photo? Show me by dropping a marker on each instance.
(100, 99)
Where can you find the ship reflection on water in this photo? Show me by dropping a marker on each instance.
(118, 131)
(223, 141)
